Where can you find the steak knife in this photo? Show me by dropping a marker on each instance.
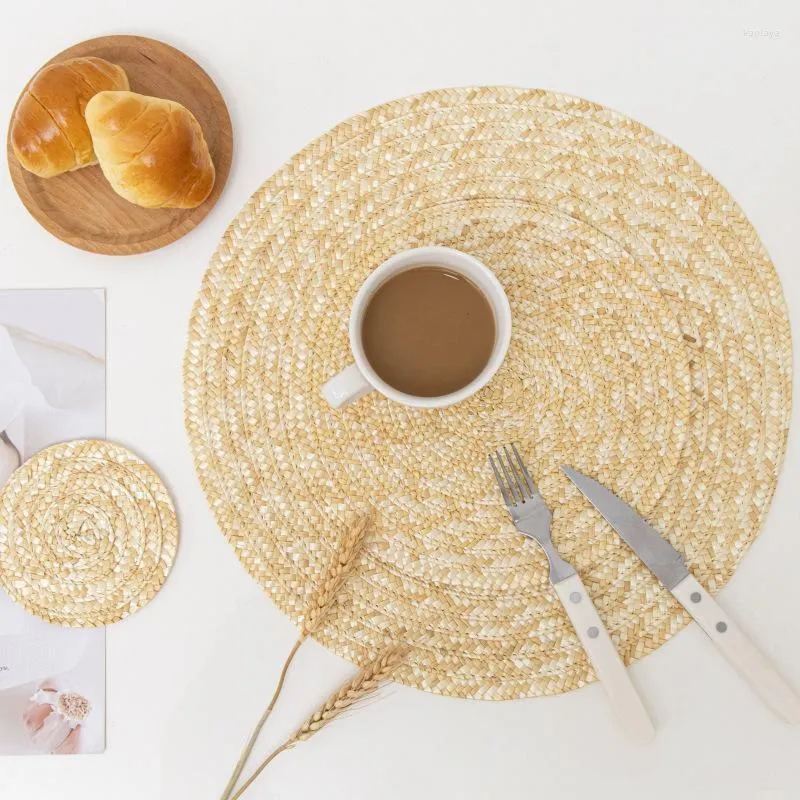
(666, 563)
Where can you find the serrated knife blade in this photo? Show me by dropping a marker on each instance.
(661, 558)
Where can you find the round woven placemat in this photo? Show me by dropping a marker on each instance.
(88, 534)
(650, 349)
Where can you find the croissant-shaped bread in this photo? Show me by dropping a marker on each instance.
(48, 131)
(152, 151)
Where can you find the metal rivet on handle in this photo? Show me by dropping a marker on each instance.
(695, 597)
(722, 627)
(575, 597)
(593, 632)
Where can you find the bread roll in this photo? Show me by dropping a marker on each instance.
(152, 151)
(48, 131)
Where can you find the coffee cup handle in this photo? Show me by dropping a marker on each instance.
(346, 387)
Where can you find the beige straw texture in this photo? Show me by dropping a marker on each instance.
(88, 534)
(650, 349)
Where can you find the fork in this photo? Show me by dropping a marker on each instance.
(532, 519)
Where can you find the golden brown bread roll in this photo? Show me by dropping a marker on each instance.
(152, 151)
(48, 131)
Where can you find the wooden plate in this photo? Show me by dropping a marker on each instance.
(80, 207)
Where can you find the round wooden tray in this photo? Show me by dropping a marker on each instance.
(80, 207)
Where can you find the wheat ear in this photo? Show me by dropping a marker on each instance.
(343, 559)
(368, 680)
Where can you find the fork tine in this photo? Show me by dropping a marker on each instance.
(508, 501)
(513, 487)
(518, 480)
(531, 485)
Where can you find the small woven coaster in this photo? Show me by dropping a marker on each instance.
(88, 534)
(650, 349)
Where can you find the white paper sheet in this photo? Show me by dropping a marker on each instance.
(52, 389)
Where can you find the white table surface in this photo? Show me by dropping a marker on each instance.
(187, 675)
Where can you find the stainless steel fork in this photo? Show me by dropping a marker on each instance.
(532, 519)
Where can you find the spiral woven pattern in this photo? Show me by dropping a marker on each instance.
(88, 534)
(650, 349)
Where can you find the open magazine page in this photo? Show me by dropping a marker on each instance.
(52, 389)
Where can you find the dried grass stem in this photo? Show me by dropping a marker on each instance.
(343, 560)
(368, 680)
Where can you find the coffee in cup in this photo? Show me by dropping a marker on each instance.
(428, 328)
(428, 331)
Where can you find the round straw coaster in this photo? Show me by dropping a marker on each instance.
(650, 349)
(88, 534)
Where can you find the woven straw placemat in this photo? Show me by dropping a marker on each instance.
(88, 534)
(650, 349)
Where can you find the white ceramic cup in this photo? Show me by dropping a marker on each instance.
(358, 379)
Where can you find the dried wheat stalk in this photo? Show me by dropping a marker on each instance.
(343, 559)
(368, 680)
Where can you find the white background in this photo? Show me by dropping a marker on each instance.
(187, 676)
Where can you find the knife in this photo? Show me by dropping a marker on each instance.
(666, 563)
